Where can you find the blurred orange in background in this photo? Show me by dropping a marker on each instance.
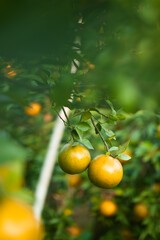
(74, 180)
(108, 208)
(17, 221)
(33, 109)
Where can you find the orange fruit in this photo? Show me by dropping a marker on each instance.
(74, 180)
(17, 221)
(74, 159)
(127, 234)
(33, 109)
(156, 187)
(105, 171)
(8, 66)
(74, 231)
(141, 210)
(47, 117)
(90, 65)
(67, 212)
(129, 153)
(78, 99)
(108, 208)
(11, 74)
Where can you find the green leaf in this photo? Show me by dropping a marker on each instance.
(80, 133)
(113, 117)
(85, 116)
(114, 151)
(120, 116)
(124, 157)
(75, 144)
(87, 143)
(111, 106)
(83, 126)
(123, 148)
(114, 148)
(109, 132)
(75, 134)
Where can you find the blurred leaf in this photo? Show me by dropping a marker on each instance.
(123, 148)
(124, 157)
(85, 116)
(111, 106)
(10, 149)
(83, 126)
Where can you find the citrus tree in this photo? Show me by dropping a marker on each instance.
(93, 65)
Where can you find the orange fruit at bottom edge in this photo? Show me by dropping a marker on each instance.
(74, 231)
(108, 208)
(33, 109)
(17, 221)
(105, 171)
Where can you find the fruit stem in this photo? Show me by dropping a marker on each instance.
(100, 134)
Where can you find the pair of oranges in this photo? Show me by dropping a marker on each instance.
(103, 171)
(109, 208)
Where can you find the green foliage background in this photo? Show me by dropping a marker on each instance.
(121, 41)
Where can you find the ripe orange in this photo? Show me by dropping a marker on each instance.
(78, 99)
(74, 231)
(11, 74)
(17, 221)
(141, 210)
(74, 180)
(90, 65)
(47, 117)
(105, 171)
(33, 109)
(67, 212)
(156, 187)
(127, 234)
(108, 208)
(129, 153)
(74, 159)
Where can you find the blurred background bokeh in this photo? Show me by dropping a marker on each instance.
(118, 50)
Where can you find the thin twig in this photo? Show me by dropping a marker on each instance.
(66, 116)
(106, 145)
(102, 114)
(60, 117)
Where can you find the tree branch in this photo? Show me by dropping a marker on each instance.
(106, 145)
